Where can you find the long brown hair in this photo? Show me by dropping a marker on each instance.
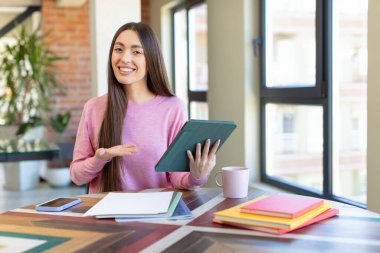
(111, 131)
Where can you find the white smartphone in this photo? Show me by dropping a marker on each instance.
(58, 204)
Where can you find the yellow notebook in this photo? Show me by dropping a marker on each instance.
(234, 215)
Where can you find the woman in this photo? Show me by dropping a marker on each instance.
(123, 134)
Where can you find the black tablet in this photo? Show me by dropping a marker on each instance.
(193, 131)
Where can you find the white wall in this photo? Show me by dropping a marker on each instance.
(105, 18)
(373, 146)
(233, 81)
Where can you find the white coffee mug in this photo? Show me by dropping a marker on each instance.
(234, 181)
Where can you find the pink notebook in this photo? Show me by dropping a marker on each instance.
(285, 206)
(277, 231)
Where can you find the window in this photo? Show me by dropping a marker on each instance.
(313, 97)
(190, 56)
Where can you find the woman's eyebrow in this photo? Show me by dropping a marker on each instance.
(119, 44)
(136, 46)
(132, 46)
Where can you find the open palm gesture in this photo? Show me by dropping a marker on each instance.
(119, 150)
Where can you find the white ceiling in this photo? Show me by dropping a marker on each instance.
(19, 3)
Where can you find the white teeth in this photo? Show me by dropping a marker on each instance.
(126, 69)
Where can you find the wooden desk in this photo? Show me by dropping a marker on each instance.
(354, 230)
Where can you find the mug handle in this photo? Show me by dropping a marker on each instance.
(216, 179)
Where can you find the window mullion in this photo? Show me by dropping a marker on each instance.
(326, 78)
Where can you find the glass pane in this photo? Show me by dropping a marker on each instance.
(290, 43)
(198, 110)
(294, 138)
(180, 43)
(198, 71)
(350, 99)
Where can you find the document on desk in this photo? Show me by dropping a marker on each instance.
(181, 212)
(116, 204)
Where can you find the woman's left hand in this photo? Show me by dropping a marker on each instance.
(204, 162)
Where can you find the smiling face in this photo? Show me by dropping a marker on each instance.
(128, 59)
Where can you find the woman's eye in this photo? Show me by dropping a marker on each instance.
(118, 49)
(137, 52)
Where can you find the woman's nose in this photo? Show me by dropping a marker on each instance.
(127, 57)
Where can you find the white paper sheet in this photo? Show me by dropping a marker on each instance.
(131, 203)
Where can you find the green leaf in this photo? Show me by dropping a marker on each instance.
(25, 66)
(24, 127)
(60, 122)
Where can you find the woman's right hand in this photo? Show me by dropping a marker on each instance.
(106, 154)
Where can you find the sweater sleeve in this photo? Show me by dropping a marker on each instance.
(182, 180)
(85, 165)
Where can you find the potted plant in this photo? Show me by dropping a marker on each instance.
(26, 80)
(26, 86)
(58, 172)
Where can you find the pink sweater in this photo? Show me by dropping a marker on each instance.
(151, 126)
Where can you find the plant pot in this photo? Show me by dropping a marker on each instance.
(58, 177)
(21, 176)
(37, 132)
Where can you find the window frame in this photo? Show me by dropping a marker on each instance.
(193, 96)
(320, 94)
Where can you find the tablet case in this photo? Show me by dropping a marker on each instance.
(194, 131)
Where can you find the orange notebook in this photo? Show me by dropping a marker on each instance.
(234, 215)
(286, 206)
(277, 231)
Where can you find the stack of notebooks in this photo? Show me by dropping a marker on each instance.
(276, 214)
(141, 207)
